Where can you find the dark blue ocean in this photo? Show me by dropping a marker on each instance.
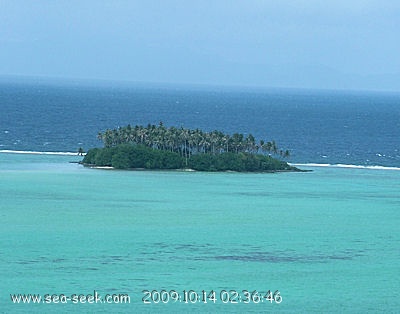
(334, 127)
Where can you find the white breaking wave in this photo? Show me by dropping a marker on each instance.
(8, 151)
(37, 153)
(344, 166)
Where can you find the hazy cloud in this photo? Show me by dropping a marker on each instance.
(250, 42)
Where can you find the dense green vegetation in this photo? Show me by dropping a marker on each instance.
(158, 147)
(187, 142)
(133, 156)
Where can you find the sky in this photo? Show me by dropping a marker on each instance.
(351, 44)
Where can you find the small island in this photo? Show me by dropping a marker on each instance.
(158, 147)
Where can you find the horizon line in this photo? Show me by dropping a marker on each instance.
(91, 82)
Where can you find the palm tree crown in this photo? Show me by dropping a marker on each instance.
(187, 142)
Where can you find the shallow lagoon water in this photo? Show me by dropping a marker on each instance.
(326, 239)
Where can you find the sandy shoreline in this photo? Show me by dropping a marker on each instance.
(137, 169)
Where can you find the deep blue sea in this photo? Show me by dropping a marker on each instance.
(325, 241)
(334, 127)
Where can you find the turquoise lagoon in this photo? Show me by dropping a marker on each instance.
(328, 240)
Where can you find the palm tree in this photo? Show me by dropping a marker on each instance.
(187, 142)
(286, 154)
(250, 143)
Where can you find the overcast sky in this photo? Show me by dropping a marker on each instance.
(352, 44)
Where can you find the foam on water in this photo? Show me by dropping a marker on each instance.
(344, 166)
(7, 151)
